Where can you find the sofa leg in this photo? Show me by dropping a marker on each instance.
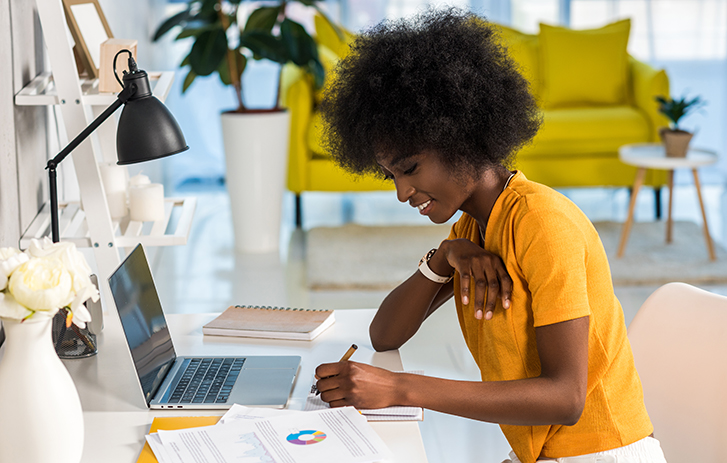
(657, 201)
(298, 212)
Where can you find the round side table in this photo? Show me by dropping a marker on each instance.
(653, 156)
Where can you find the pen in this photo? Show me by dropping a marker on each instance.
(345, 358)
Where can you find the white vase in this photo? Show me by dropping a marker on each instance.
(41, 419)
(256, 154)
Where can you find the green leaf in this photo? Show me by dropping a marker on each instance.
(675, 109)
(308, 2)
(195, 32)
(207, 52)
(208, 10)
(262, 19)
(166, 26)
(185, 61)
(188, 80)
(316, 69)
(224, 70)
(264, 45)
(300, 46)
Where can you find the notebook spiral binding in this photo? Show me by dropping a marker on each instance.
(268, 307)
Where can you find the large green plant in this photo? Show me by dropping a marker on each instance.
(221, 46)
(676, 108)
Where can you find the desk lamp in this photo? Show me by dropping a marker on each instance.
(146, 131)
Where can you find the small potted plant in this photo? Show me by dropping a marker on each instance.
(255, 140)
(676, 141)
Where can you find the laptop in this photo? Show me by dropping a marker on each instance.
(168, 381)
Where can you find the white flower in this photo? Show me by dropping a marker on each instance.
(42, 284)
(10, 259)
(10, 308)
(48, 277)
(72, 259)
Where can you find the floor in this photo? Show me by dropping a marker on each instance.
(207, 275)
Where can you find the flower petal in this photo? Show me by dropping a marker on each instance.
(9, 307)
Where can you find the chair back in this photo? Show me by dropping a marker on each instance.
(679, 342)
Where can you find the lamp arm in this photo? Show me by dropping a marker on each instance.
(121, 99)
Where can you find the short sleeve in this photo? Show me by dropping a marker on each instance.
(453, 232)
(552, 250)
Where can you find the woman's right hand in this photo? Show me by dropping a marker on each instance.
(480, 268)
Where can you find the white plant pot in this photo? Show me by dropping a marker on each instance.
(256, 154)
(41, 419)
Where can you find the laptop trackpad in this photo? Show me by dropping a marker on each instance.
(263, 387)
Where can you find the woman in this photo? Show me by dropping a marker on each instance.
(437, 106)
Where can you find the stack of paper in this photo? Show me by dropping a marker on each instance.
(340, 435)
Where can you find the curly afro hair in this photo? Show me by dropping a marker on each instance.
(440, 81)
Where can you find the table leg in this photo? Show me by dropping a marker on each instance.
(707, 236)
(669, 221)
(640, 174)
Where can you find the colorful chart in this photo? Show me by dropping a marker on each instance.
(307, 437)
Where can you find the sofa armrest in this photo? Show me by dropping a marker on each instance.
(647, 84)
(296, 94)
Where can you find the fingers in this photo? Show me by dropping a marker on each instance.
(328, 369)
(505, 289)
(483, 270)
(491, 282)
(464, 283)
(493, 290)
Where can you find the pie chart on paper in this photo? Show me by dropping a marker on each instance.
(306, 437)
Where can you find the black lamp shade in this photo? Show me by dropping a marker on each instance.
(146, 131)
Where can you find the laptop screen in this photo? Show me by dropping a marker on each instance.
(143, 321)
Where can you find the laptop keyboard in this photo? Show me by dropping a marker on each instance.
(207, 380)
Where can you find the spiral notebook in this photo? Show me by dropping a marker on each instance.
(270, 322)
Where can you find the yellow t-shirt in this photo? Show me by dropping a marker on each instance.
(560, 272)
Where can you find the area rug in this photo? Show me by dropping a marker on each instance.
(378, 258)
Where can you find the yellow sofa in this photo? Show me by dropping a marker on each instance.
(309, 168)
(594, 98)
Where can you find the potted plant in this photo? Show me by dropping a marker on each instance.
(255, 140)
(676, 141)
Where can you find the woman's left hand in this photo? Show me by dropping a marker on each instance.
(357, 384)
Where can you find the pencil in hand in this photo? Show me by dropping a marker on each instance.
(349, 353)
(345, 358)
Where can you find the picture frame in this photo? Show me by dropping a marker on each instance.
(89, 30)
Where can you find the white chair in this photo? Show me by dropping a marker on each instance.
(679, 341)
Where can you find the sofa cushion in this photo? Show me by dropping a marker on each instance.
(326, 35)
(587, 131)
(315, 135)
(584, 67)
(524, 50)
(329, 60)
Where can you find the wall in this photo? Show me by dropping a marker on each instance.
(23, 140)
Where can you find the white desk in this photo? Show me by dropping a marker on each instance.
(116, 418)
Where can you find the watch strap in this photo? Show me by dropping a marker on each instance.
(427, 272)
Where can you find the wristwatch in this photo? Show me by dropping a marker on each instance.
(427, 272)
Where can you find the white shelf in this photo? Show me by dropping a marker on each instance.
(42, 90)
(127, 233)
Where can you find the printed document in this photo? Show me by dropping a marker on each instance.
(340, 435)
